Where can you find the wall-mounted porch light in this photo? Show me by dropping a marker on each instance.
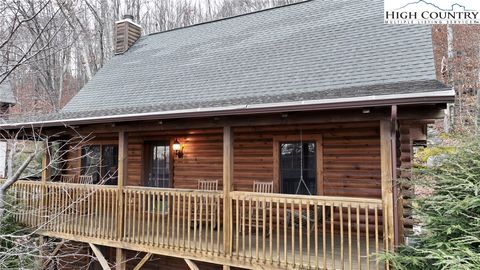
(178, 148)
(366, 110)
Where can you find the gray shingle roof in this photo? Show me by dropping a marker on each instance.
(317, 50)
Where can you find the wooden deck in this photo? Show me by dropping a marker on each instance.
(337, 256)
(267, 230)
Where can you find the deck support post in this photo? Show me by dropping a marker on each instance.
(40, 261)
(387, 171)
(227, 187)
(120, 259)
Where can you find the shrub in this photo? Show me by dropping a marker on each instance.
(450, 217)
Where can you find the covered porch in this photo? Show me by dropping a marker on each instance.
(340, 220)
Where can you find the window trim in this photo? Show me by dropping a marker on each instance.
(318, 139)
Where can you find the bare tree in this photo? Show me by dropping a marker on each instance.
(21, 245)
(49, 49)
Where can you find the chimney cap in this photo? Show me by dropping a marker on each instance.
(128, 17)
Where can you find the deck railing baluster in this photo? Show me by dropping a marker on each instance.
(184, 218)
(359, 257)
(270, 233)
(342, 258)
(367, 237)
(350, 262)
(377, 250)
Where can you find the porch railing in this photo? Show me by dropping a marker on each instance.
(307, 231)
(277, 230)
(175, 219)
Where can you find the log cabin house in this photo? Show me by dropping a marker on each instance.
(272, 140)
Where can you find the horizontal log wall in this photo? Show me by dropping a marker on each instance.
(351, 156)
(203, 156)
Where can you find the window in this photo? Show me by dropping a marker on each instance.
(58, 158)
(157, 164)
(100, 161)
(109, 169)
(296, 157)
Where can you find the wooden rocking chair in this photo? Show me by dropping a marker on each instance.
(207, 215)
(68, 178)
(211, 185)
(263, 187)
(260, 187)
(85, 179)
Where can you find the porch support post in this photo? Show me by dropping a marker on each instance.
(43, 181)
(397, 220)
(45, 164)
(227, 187)
(122, 179)
(386, 175)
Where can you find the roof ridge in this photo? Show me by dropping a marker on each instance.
(232, 17)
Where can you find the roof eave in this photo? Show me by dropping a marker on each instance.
(437, 97)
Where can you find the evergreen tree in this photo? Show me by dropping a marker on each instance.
(449, 216)
(16, 252)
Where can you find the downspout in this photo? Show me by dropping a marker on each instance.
(393, 119)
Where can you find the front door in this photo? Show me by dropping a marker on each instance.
(157, 172)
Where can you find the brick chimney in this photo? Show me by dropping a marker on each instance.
(126, 33)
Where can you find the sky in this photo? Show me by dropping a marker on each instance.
(444, 4)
